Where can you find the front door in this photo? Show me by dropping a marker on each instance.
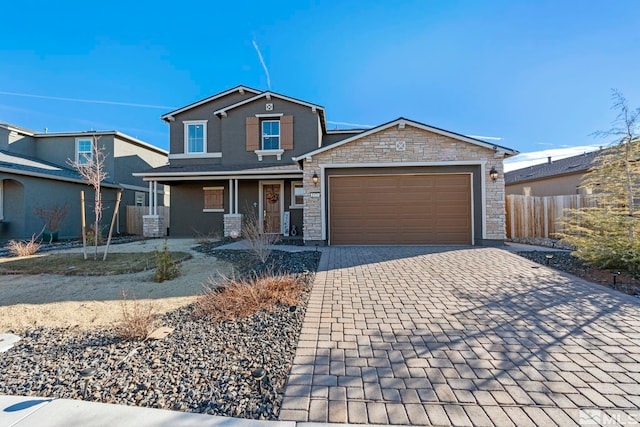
(271, 211)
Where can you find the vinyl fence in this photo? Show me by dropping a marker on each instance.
(530, 216)
(135, 214)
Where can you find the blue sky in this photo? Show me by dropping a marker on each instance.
(536, 74)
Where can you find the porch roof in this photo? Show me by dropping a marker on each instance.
(207, 171)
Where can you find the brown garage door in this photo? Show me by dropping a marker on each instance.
(400, 209)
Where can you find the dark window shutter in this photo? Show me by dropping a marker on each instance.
(286, 132)
(253, 133)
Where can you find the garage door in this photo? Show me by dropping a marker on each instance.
(400, 209)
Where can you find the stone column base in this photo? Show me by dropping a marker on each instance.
(232, 225)
(152, 226)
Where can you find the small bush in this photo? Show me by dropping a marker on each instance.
(166, 269)
(260, 242)
(138, 319)
(91, 237)
(242, 298)
(24, 248)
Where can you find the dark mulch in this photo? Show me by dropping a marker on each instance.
(246, 264)
(568, 263)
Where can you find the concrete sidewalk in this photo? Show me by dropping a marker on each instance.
(22, 411)
(27, 411)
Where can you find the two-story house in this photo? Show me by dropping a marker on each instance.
(35, 173)
(245, 151)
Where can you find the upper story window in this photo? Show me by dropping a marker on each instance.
(84, 155)
(195, 137)
(271, 134)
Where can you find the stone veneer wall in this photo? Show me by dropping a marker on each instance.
(420, 146)
(232, 225)
(153, 226)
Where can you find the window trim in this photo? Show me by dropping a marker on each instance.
(293, 204)
(186, 125)
(262, 135)
(209, 209)
(90, 157)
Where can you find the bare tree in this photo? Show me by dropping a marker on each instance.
(91, 168)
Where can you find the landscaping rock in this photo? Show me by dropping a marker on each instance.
(202, 366)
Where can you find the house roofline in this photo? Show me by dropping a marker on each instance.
(18, 129)
(401, 122)
(217, 173)
(547, 177)
(104, 133)
(53, 177)
(169, 116)
(314, 107)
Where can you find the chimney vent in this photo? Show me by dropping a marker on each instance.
(549, 159)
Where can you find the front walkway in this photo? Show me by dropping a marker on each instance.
(462, 336)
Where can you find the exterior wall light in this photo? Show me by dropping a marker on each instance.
(315, 179)
(493, 173)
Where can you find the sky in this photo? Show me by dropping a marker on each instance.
(532, 75)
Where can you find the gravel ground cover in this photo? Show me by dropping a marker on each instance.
(566, 262)
(202, 366)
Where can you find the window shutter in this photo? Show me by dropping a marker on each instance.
(253, 133)
(286, 132)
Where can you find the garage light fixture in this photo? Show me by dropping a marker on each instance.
(493, 173)
(315, 179)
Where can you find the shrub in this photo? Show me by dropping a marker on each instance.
(166, 269)
(24, 248)
(242, 298)
(138, 319)
(261, 244)
(91, 237)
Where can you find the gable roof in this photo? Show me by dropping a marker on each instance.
(267, 94)
(401, 121)
(570, 165)
(169, 116)
(31, 166)
(18, 129)
(115, 133)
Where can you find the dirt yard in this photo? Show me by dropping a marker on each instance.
(50, 300)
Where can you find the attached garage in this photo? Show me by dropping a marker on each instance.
(401, 209)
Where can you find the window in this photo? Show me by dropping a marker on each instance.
(297, 195)
(271, 135)
(195, 137)
(213, 199)
(140, 198)
(84, 156)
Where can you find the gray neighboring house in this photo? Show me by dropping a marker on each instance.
(245, 151)
(553, 178)
(34, 173)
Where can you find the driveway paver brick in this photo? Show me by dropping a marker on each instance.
(461, 336)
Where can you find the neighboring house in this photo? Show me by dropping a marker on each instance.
(244, 151)
(35, 173)
(553, 178)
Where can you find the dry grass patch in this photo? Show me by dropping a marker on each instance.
(23, 248)
(238, 298)
(75, 264)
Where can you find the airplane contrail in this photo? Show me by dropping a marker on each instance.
(266, 71)
(87, 101)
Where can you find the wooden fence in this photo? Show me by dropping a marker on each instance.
(530, 216)
(135, 214)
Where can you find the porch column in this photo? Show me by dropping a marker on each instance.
(153, 224)
(150, 197)
(236, 196)
(230, 196)
(155, 197)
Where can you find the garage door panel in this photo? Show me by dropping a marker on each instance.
(400, 209)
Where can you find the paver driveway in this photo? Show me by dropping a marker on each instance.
(423, 335)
